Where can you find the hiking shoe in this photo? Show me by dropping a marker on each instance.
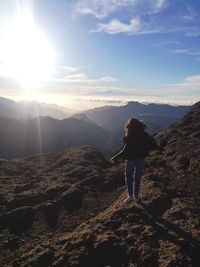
(128, 199)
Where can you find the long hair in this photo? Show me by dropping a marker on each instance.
(134, 127)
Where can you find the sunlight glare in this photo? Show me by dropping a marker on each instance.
(25, 54)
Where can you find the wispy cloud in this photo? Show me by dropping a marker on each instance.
(159, 4)
(141, 17)
(190, 14)
(97, 101)
(83, 78)
(190, 85)
(66, 79)
(167, 43)
(135, 26)
(116, 26)
(195, 53)
(104, 8)
(74, 74)
(193, 79)
(70, 69)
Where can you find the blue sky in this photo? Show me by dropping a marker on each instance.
(112, 51)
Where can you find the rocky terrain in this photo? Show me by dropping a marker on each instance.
(67, 209)
(182, 150)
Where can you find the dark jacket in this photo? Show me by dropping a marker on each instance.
(136, 146)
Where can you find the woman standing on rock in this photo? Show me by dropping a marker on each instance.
(137, 143)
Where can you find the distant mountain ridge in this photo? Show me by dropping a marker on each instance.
(44, 135)
(113, 119)
(30, 109)
(22, 134)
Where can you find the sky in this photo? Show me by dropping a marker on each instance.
(86, 53)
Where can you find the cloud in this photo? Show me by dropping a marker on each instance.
(105, 90)
(83, 78)
(70, 69)
(189, 86)
(134, 27)
(8, 84)
(73, 74)
(104, 101)
(190, 52)
(137, 26)
(193, 79)
(64, 79)
(116, 26)
(96, 101)
(142, 17)
(104, 8)
(166, 43)
(101, 9)
(190, 14)
(159, 4)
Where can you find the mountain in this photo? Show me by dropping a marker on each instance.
(35, 109)
(67, 209)
(10, 108)
(157, 116)
(30, 109)
(112, 119)
(43, 135)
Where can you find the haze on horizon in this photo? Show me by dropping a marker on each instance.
(88, 53)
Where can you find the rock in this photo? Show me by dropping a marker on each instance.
(72, 199)
(43, 259)
(20, 220)
(160, 204)
(50, 210)
(12, 243)
(26, 200)
(55, 191)
(114, 253)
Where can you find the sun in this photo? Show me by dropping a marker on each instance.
(25, 53)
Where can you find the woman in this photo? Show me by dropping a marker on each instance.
(137, 143)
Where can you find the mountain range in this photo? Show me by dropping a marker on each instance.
(67, 209)
(156, 116)
(30, 109)
(44, 135)
(31, 128)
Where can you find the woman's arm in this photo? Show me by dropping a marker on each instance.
(120, 154)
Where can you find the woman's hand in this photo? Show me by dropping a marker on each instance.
(114, 160)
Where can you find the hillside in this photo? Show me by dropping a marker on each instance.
(43, 135)
(182, 150)
(67, 209)
(43, 198)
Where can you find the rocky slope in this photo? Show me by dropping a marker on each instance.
(67, 209)
(182, 151)
(44, 197)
